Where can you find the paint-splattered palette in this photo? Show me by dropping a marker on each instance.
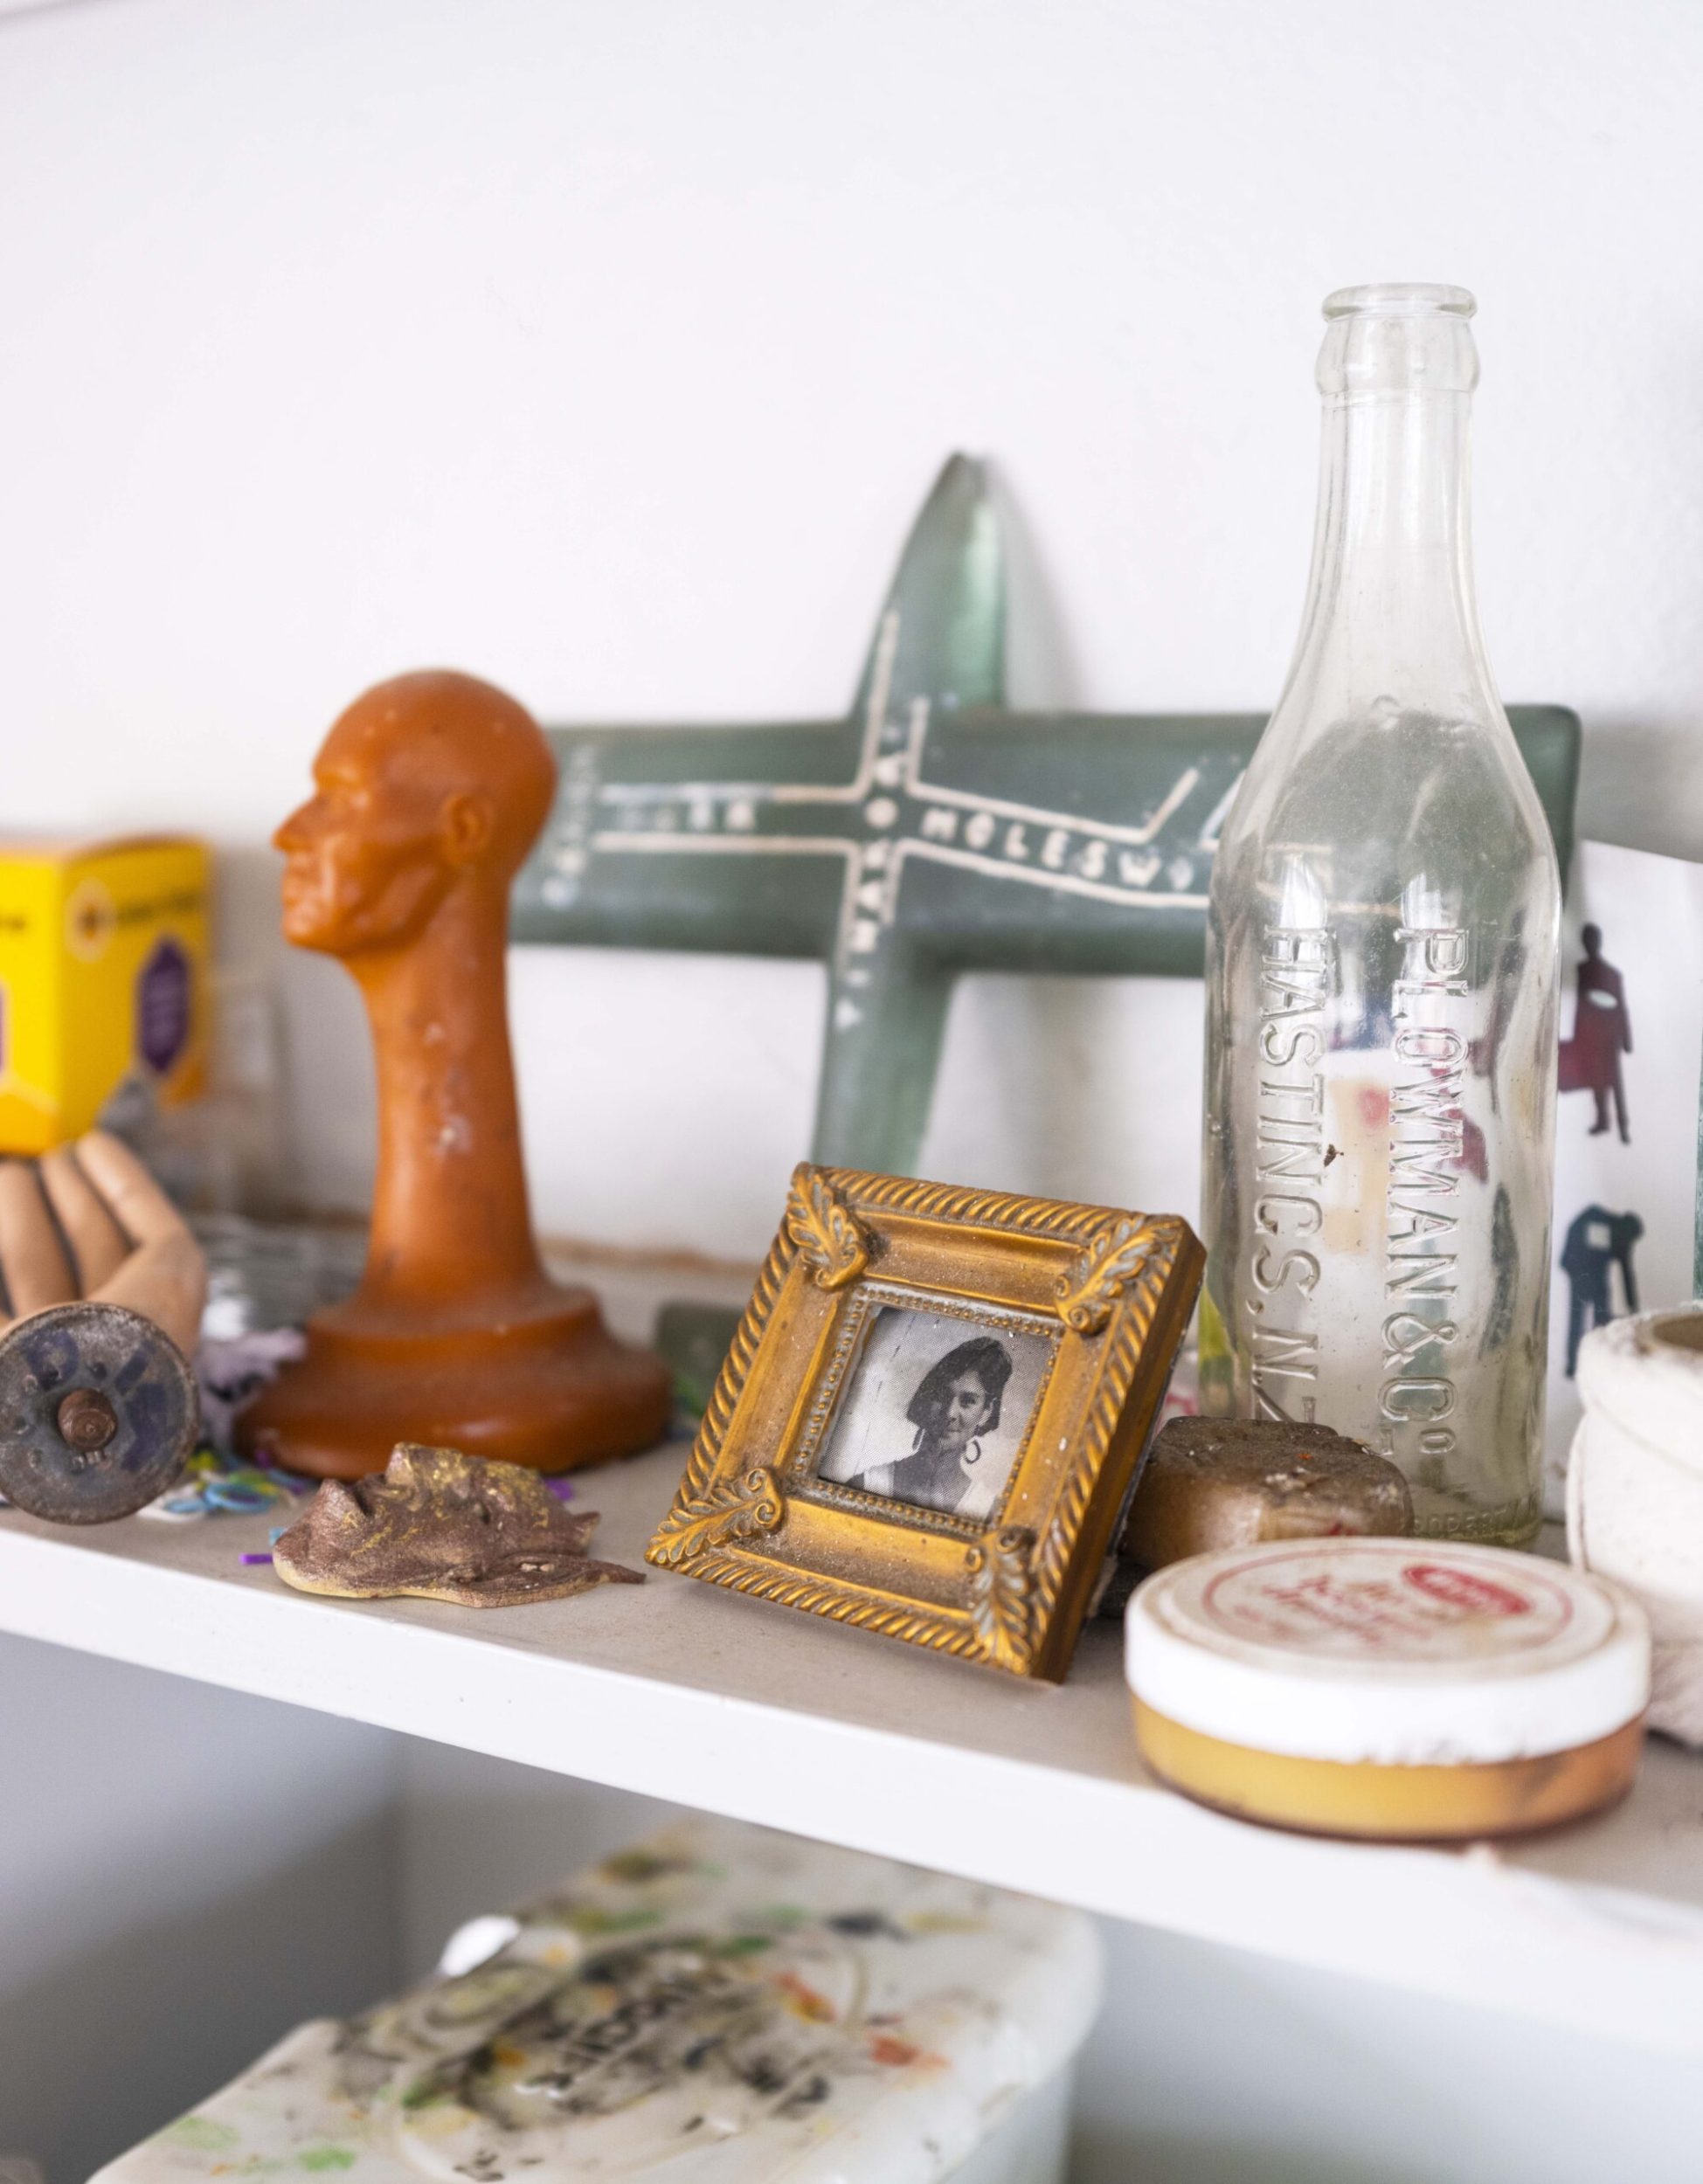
(718, 2002)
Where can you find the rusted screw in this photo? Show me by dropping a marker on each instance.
(86, 1420)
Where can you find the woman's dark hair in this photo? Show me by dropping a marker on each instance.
(989, 1360)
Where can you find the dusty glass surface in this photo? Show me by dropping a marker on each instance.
(1381, 974)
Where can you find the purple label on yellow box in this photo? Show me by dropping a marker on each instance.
(164, 987)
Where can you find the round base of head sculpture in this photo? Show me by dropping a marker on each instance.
(550, 1387)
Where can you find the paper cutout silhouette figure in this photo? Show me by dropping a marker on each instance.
(1602, 1032)
(1595, 1241)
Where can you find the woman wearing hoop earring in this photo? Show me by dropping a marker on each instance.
(956, 1402)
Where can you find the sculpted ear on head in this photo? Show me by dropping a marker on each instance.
(467, 821)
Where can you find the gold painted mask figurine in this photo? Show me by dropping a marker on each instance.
(439, 1526)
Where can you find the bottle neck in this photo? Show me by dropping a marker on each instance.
(1391, 612)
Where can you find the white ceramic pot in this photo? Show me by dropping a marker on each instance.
(1635, 1491)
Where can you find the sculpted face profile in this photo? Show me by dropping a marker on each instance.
(413, 802)
(429, 791)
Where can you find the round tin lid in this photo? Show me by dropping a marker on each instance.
(1396, 1652)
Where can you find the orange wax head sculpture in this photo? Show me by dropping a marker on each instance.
(430, 791)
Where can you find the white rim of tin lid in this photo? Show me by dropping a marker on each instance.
(1398, 1652)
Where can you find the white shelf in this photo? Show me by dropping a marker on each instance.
(684, 1691)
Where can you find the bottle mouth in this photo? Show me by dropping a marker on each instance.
(1397, 338)
(1401, 300)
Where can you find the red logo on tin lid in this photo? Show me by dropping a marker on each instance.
(1465, 1591)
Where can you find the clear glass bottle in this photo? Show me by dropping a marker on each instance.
(1381, 974)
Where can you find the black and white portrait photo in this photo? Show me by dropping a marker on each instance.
(935, 1411)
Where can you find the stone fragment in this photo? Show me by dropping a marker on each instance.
(1214, 1482)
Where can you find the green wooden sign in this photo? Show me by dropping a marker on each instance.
(930, 833)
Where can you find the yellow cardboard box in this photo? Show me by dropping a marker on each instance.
(103, 975)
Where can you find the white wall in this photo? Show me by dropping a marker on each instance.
(607, 349)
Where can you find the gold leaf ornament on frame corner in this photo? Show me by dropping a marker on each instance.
(829, 1240)
(1088, 1290)
(1001, 1597)
(728, 1508)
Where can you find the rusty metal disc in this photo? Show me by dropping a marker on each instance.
(98, 1414)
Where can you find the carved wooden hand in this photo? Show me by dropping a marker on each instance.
(88, 1221)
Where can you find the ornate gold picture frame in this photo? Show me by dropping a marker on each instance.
(929, 1417)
